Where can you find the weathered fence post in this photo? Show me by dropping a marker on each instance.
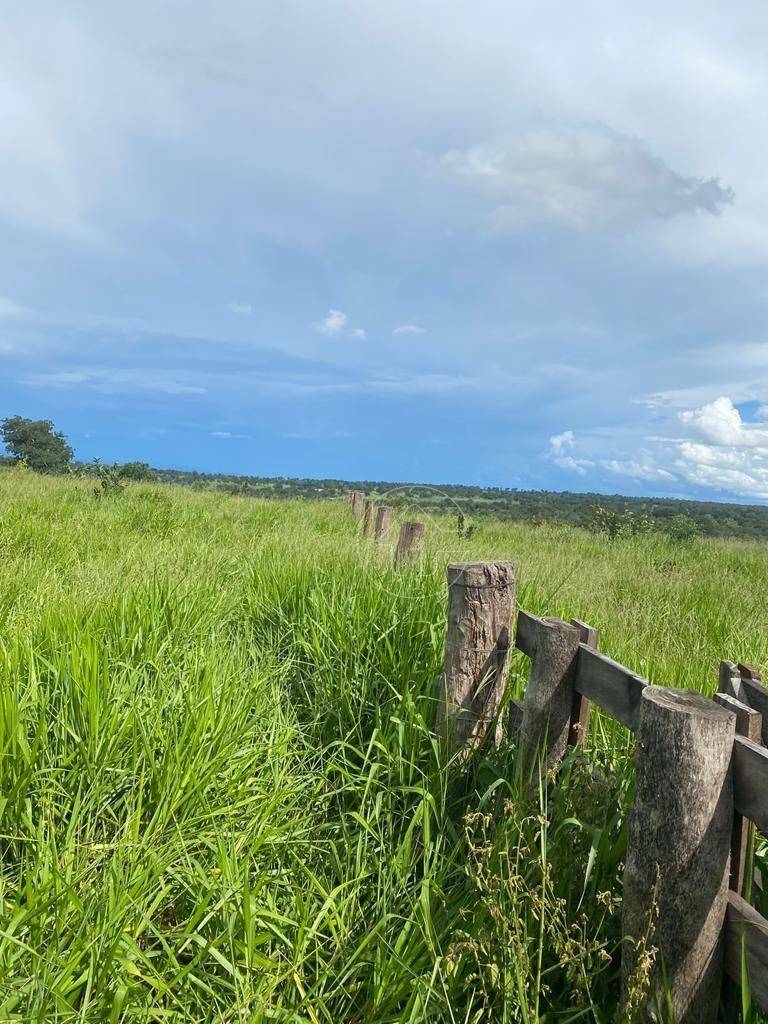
(677, 863)
(368, 518)
(357, 504)
(481, 613)
(410, 541)
(578, 730)
(549, 694)
(383, 523)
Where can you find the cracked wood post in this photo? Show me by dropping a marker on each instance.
(678, 846)
(481, 613)
(383, 523)
(357, 504)
(549, 693)
(368, 518)
(578, 730)
(410, 542)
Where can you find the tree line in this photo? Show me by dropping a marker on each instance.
(37, 444)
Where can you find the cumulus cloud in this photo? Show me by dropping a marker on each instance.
(409, 329)
(720, 423)
(643, 467)
(333, 324)
(240, 308)
(725, 453)
(358, 334)
(581, 176)
(559, 447)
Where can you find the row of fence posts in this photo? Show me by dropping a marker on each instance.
(378, 521)
(676, 872)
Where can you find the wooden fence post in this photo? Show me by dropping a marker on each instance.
(410, 542)
(549, 694)
(677, 863)
(481, 614)
(368, 518)
(578, 731)
(383, 523)
(357, 504)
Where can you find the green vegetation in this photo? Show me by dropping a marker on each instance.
(35, 443)
(708, 518)
(220, 794)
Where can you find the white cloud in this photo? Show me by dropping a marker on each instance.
(722, 452)
(581, 176)
(334, 323)
(409, 329)
(559, 443)
(226, 435)
(559, 446)
(643, 467)
(720, 423)
(112, 382)
(9, 308)
(358, 334)
(240, 308)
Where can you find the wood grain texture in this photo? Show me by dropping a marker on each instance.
(678, 847)
(756, 695)
(410, 542)
(549, 692)
(368, 518)
(746, 929)
(750, 781)
(748, 724)
(527, 631)
(729, 679)
(614, 688)
(578, 730)
(481, 611)
(357, 504)
(383, 523)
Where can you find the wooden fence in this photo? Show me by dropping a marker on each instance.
(701, 779)
(701, 783)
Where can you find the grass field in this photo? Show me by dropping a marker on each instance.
(220, 794)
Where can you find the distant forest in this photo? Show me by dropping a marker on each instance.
(713, 519)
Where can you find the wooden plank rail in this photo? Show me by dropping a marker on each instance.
(750, 781)
(623, 695)
(614, 688)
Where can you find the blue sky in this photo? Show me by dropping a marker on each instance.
(502, 244)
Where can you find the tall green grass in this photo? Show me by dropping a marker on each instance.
(221, 798)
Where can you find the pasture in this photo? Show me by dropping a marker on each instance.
(221, 796)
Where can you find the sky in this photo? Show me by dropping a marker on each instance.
(517, 244)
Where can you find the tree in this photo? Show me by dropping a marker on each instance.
(36, 442)
(137, 471)
(681, 528)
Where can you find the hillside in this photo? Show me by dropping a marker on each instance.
(714, 519)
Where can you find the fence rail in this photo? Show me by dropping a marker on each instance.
(701, 772)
